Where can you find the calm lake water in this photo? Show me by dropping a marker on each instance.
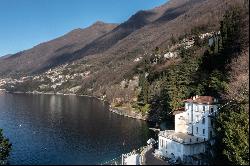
(49, 129)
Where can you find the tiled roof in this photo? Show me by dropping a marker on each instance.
(201, 100)
(179, 110)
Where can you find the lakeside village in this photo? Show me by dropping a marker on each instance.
(54, 80)
(189, 144)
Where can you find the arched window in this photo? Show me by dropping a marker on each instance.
(203, 120)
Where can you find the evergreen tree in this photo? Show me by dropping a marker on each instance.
(5, 148)
(233, 120)
(144, 93)
(233, 135)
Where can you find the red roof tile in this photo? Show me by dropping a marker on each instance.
(201, 100)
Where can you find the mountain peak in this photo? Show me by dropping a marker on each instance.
(148, 28)
(99, 23)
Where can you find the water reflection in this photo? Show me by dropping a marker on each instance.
(66, 130)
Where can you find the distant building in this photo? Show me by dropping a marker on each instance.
(193, 129)
(204, 35)
(137, 59)
(170, 55)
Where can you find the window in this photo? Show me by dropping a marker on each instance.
(212, 110)
(203, 109)
(203, 120)
(161, 143)
(203, 131)
(166, 144)
(195, 108)
(197, 118)
(197, 139)
(197, 130)
(212, 123)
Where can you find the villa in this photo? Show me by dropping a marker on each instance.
(194, 129)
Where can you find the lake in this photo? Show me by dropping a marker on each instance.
(50, 129)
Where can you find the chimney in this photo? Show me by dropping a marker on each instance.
(193, 97)
(196, 96)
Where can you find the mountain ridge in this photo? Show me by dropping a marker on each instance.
(142, 32)
(70, 42)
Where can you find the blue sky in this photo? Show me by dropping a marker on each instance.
(26, 23)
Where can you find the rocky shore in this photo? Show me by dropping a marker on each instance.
(129, 114)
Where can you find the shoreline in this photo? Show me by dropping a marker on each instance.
(117, 111)
(123, 113)
(57, 94)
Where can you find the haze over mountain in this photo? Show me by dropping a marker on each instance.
(142, 32)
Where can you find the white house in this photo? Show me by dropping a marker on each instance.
(138, 59)
(193, 128)
(170, 55)
(202, 36)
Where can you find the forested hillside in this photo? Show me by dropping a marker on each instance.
(220, 70)
(103, 42)
(211, 58)
(149, 64)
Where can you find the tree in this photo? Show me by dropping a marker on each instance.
(5, 148)
(233, 134)
(233, 121)
(144, 94)
(197, 40)
(157, 50)
(232, 32)
(217, 83)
